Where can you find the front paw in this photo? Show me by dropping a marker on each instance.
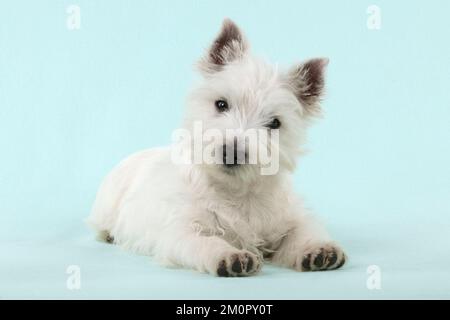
(326, 256)
(238, 264)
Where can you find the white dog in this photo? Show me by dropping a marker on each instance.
(225, 218)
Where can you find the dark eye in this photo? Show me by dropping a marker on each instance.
(275, 124)
(221, 105)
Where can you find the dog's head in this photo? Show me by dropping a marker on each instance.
(240, 93)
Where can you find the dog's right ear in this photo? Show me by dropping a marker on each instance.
(230, 45)
(307, 81)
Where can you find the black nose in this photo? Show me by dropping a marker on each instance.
(231, 160)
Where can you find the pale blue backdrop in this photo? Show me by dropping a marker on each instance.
(75, 102)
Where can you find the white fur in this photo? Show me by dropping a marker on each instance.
(199, 216)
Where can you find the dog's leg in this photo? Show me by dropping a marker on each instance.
(307, 247)
(206, 253)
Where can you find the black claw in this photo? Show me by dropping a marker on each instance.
(332, 259)
(222, 269)
(109, 239)
(318, 260)
(306, 263)
(249, 264)
(236, 266)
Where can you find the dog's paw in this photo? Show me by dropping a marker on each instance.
(327, 256)
(238, 264)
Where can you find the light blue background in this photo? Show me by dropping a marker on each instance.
(74, 103)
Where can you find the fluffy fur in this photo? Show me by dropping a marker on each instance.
(207, 216)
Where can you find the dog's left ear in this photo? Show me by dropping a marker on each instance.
(230, 45)
(307, 80)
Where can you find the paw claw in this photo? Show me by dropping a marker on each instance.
(236, 265)
(306, 263)
(249, 263)
(222, 269)
(318, 260)
(332, 259)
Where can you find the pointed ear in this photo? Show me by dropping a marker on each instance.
(307, 81)
(230, 45)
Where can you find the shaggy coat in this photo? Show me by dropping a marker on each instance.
(225, 219)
